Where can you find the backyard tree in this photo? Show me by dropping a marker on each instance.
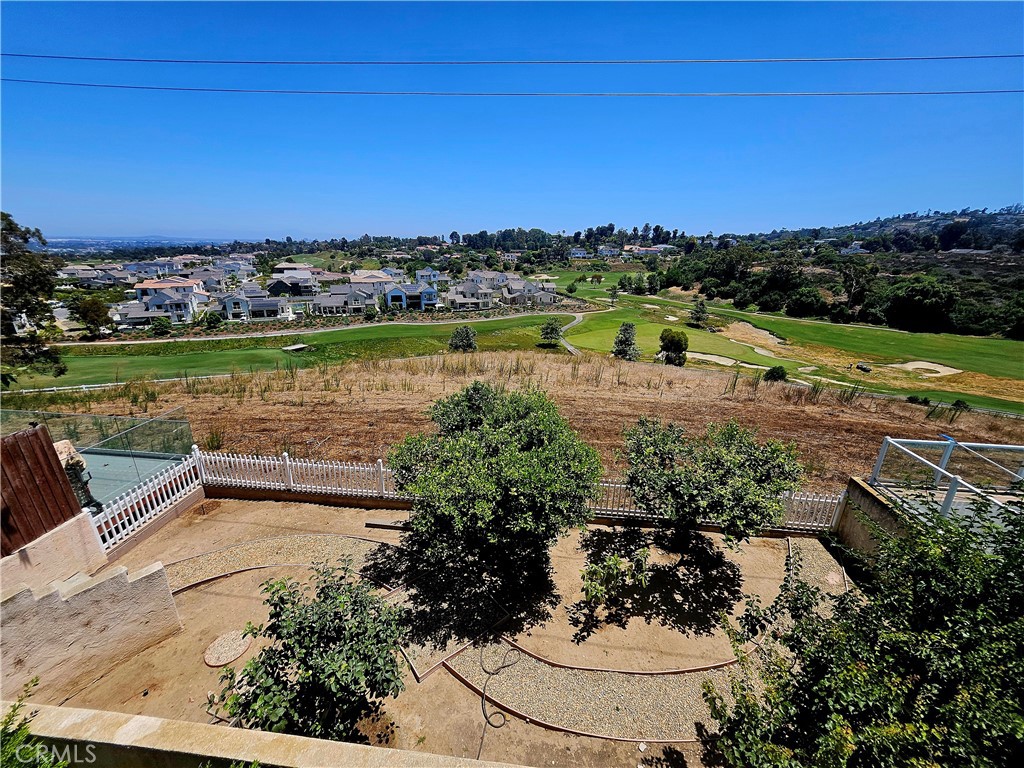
(93, 313)
(724, 476)
(160, 326)
(673, 346)
(551, 331)
(699, 313)
(500, 481)
(463, 339)
(624, 347)
(331, 658)
(370, 312)
(922, 666)
(212, 320)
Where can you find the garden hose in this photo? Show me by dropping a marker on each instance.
(505, 664)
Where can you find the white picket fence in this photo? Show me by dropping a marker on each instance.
(128, 513)
(284, 473)
(132, 510)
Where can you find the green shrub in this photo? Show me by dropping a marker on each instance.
(775, 373)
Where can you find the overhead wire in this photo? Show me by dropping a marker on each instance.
(517, 94)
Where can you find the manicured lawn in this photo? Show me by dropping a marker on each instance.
(996, 357)
(597, 332)
(161, 361)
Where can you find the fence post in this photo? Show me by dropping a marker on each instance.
(947, 503)
(881, 458)
(380, 476)
(199, 463)
(287, 470)
(946, 454)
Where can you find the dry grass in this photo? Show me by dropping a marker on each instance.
(355, 411)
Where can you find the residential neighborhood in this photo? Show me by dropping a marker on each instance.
(186, 289)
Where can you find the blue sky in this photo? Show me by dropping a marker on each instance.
(97, 162)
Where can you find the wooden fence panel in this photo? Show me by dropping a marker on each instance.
(37, 495)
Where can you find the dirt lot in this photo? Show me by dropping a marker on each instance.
(354, 412)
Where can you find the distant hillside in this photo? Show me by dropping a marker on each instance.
(967, 228)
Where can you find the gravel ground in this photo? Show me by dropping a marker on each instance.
(820, 569)
(284, 550)
(652, 707)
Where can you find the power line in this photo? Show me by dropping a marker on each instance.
(515, 94)
(509, 62)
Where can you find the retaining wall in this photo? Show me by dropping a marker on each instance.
(73, 547)
(862, 501)
(70, 638)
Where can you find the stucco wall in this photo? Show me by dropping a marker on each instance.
(863, 502)
(70, 639)
(70, 548)
(136, 741)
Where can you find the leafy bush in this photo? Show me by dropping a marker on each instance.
(724, 476)
(919, 400)
(602, 579)
(331, 658)
(463, 339)
(775, 373)
(922, 666)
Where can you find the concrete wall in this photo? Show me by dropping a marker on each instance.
(862, 501)
(70, 548)
(70, 639)
(136, 741)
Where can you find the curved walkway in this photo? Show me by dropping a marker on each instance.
(302, 550)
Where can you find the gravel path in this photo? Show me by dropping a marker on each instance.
(305, 549)
(650, 707)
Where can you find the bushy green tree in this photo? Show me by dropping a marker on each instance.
(624, 347)
(93, 313)
(370, 312)
(775, 373)
(551, 331)
(463, 339)
(28, 279)
(330, 658)
(212, 320)
(673, 346)
(699, 313)
(160, 326)
(922, 666)
(500, 481)
(724, 476)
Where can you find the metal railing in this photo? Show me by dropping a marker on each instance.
(904, 471)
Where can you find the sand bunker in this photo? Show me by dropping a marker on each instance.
(651, 306)
(544, 277)
(927, 369)
(808, 368)
(671, 317)
(711, 358)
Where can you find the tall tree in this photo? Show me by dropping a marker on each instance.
(624, 347)
(93, 313)
(28, 278)
(673, 346)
